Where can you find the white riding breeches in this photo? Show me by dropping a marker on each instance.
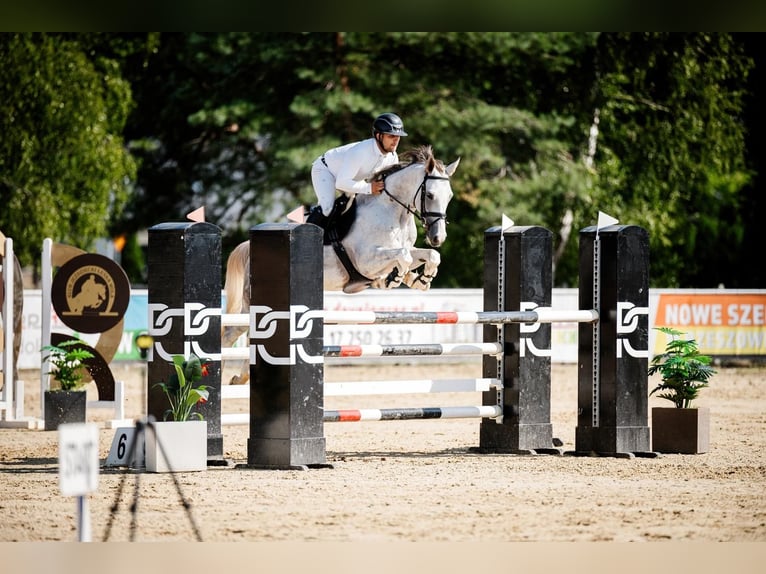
(324, 185)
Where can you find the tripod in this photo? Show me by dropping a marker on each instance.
(141, 426)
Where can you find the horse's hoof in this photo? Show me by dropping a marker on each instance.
(356, 287)
(235, 380)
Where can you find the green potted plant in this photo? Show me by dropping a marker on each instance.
(179, 442)
(67, 402)
(684, 371)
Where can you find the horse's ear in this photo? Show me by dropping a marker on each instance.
(452, 167)
(431, 164)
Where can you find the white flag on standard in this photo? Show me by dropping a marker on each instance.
(605, 220)
(506, 222)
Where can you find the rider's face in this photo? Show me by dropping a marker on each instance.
(389, 142)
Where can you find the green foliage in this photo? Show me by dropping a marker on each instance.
(683, 369)
(517, 107)
(62, 160)
(232, 121)
(180, 391)
(672, 147)
(68, 358)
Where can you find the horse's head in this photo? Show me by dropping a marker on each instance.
(435, 195)
(430, 179)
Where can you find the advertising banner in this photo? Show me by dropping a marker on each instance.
(724, 323)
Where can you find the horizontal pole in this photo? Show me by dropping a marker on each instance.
(351, 415)
(235, 391)
(549, 315)
(412, 386)
(401, 387)
(235, 320)
(234, 353)
(539, 315)
(426, 317)
(414, 349)
(231, 419)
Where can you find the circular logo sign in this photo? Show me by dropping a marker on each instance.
(90, 293)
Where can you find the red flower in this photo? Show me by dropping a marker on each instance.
(201, 401)
(205, 370)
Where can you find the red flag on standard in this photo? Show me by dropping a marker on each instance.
(197, 215)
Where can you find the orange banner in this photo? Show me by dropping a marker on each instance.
(722, 324)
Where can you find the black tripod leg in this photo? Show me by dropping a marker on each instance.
(184, 502)
(116, 505)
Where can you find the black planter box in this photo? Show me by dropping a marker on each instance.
(64, 407)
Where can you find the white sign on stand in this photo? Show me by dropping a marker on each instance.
(78, 468)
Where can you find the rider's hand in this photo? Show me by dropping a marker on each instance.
(377, 187)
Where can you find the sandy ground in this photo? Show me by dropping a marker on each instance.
(415, 481)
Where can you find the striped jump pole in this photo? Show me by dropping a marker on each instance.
(433, 349)
(411, 413)
(349, 351)
(366, 388)
(538, 315)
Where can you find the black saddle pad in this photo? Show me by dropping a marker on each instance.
(341, 219)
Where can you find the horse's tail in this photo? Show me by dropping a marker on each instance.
(237, 270)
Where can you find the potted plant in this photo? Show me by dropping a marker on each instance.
(684, 372)
(179, 442)
(67, 403)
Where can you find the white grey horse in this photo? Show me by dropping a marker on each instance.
(380, 242)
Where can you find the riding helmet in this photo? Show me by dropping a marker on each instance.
(389, 123)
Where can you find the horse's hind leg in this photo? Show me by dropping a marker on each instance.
(228, 336)
(244, 375)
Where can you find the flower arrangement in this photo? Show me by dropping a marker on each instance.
(683, 369)
(68, 359)
(180, 390)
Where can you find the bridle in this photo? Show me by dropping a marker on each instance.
(421, 214)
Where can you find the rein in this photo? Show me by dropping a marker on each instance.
(422, 214)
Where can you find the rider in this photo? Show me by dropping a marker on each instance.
(347, 168)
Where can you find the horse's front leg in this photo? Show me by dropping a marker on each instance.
(429, 260)
(391, 267)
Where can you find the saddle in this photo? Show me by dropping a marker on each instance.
(340, 219)
(339, 223)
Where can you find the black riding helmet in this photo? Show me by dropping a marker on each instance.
(389, 123)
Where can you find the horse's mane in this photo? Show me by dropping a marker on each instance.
(421, 154)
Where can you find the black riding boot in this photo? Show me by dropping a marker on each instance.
(317, 217)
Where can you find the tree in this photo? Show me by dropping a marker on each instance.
(64, 172)
(235, 120)
(672, 147)
(551, 127)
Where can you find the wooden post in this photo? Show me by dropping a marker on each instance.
(518, 277)
(286, 341)
(184, 289)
